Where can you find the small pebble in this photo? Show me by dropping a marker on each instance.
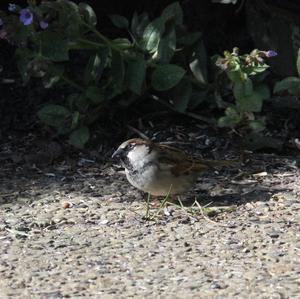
(66, 205)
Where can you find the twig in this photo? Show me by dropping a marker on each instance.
(141, 134)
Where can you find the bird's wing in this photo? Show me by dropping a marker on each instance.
(178, 162)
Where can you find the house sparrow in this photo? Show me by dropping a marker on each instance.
(160, 169)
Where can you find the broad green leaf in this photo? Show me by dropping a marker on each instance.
(173, 11)
(119, 21)
(198, 63)
(94, 94)
(136, 73)
(54, 46)
(88, 13)
(166, 76)
(152, 35)
(123, 43)
(251, 103)
(53, 75)
(295, 91)
(263, 90)
(82, 103)
(298, 62)
(139, 23)
(242, 89)
(231, 118)
(259, 69)
(257, 125)
(166, 48)
(54, 115)
(69, 18)
(91, 69)
(80, 137)
(235, 76)
(182, 94)
(286, 84)
(103, 55)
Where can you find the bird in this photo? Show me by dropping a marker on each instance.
(161, 170)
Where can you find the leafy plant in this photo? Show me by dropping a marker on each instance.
(245, 73)
(59, 43)
(290, 84)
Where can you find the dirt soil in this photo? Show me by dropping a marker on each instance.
(72, 227)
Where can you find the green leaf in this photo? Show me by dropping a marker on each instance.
(251, 103)
(298, 62)
(80, 137)
(53, 75)
(69, 18)
(94, 94)
(258, 69)
(119, 21)
(152, 35)
(242, 89)
(123, 43)
(287, 84)
(263, 90)
(54, 46)
(198, 64)
(166, 48)
(235, 76)
(231, 118)
(257, 125)
(54, 115)
(136, 73)
(139, 23)
(82, 103)
(173, 11)
(182, 94)
(88, 13)
(91, 69)
(166, 76)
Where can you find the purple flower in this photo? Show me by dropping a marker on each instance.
(26, 16)
(43, 24)
(12, 7)
(1, 22)
(270, 53)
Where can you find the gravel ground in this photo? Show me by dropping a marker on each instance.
(76, 230)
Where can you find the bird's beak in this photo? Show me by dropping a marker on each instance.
(118, 153)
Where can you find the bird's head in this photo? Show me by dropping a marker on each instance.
(133, 152)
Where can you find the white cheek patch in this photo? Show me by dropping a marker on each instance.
(139, 156)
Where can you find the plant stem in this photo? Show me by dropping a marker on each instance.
(148, 207)
(72, 83)
(88, 42)
(102, 37)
